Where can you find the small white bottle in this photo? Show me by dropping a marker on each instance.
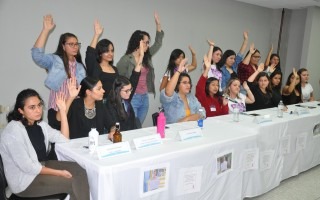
(93, 140)
(280, 109)
(202, 117)
(235, 116)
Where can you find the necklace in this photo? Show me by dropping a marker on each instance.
(90, 113)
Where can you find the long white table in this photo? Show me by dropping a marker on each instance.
(287, 142)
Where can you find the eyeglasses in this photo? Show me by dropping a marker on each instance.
(256, 57)
(78, 44)
(146, 42)
(128, 91)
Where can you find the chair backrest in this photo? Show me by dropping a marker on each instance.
(154, 118)
(3, 181)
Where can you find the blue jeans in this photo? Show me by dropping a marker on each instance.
(140, 104)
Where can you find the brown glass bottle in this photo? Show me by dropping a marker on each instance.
(117, 136)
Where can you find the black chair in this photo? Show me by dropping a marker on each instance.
(154, 118)
(3, 185)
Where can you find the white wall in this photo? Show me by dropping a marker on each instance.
(311, 48)
(184, 22)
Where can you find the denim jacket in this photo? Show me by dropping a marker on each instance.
(225, 73)
(55, 67)
(174, 107)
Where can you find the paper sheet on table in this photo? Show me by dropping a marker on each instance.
(250, 159)
(189, 180)
(285, 145)
(266, 159)
(301, 141)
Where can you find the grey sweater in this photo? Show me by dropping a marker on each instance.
(20, 160)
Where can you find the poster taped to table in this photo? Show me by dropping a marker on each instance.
(111, 150)
(250, 159)
(224, 162)
(154, 179)
(266, 159)
(189, 180)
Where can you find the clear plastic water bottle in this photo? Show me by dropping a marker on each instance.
(93, 140)
(280, 109)
(235, 116)
(202, 117)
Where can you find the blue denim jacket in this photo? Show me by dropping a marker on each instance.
(225, 73)
(174, 107)
(55, 67)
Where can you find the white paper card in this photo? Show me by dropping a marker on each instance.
(189, 180)
(250, 159)
(285, 145)
(190, 134)
(147, 141)
(302, 111)
(266, 159)
(301, 141)
(120, 148)
(263, 118)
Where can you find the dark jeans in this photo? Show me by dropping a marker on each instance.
(77, 186)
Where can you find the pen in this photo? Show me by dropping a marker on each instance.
(86, 147)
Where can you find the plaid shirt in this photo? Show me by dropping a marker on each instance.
(245, 71)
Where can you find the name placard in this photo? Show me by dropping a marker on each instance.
(147, 141)
(302, 111)
(111, 150)
(190, 134)
(262, 119)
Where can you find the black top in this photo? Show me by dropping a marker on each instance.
(276, 95)
(233, 75)
(262, 100)
(80, 125)
(291, 99)
(94, 70)
(131, 122)
(37, 140)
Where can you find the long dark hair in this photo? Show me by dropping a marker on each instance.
(20, 103)
(276, 72)
(218, 95)
(224, 58)
(276, 55)
(88, 83)
(175, 54)
(115, 97)
(215, 48)
(102, 47)
(62, 54)
(179, 81)
(264, 74)
(297, 87)
(134, 44)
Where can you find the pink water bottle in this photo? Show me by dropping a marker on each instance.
(161, 123)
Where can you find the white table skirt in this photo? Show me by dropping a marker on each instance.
(120, 177)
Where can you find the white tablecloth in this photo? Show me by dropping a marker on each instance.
(120, 177)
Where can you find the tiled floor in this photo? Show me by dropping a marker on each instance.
(305, 186)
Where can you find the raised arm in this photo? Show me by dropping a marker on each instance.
(206, 63)
(169, 90)
(157, 20)
(267, 62)
(141, 54)
(250, 97)
(193, 64)
(244, 43)
(211, 45)
(73, 93)
(246, 60)
(48, 25)
(61, 103)
(288, 89)
(98, 29)
(254, 75)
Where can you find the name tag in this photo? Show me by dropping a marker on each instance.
(110, 150)
(262, 119)
(147, 141)
(190, 134)
(302, 111)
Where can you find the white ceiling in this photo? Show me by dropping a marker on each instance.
(289, 4)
